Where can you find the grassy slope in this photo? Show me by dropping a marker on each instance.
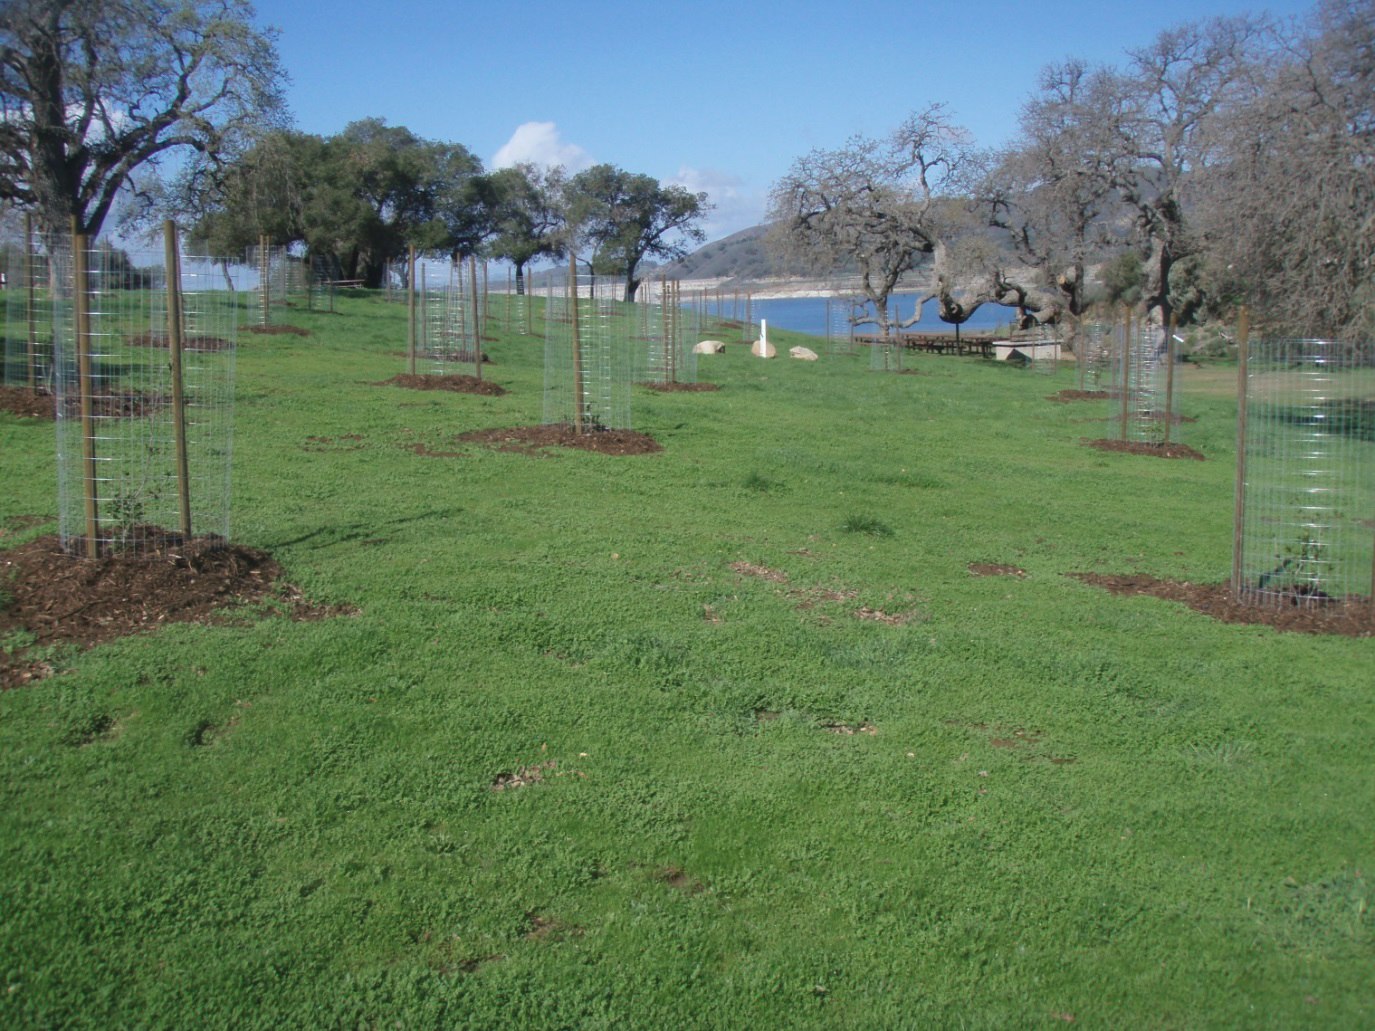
(292, 823)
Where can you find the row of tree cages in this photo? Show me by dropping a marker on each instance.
(1134, 363)
(499, 299)
(138, 351)
(597, 344)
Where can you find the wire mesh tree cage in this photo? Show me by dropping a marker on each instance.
(588, 350)
(143, 373)
(1305, 505)
(28, 330)
(1142, 364)
(664, 354)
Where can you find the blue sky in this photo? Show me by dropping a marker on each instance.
(716, 96)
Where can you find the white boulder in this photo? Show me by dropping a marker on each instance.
(806, 354)
(709, 347)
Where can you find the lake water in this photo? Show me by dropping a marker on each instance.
(810, 315)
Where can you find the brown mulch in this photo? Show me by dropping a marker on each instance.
(1142, 447)
(1352, 617)
(682, 388)
(190, 343)
(456, 382)
(530, 439)
(1064, 397)
(995, 569)
(28, 404)
(276, 330)
(61, 599)
(39, 404)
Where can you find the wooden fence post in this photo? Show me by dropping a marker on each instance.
(174, 348)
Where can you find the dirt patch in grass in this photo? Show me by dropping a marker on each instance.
(276, 330)
(523, 777)
(455, 382)
(675, 877)
(776, 576)
(1352, 617)
(681, 388)
(1065, 397)
(190, 343)
(28, 404)
(995, 569)
(850, 729)
(51, 598)
(40, 404)
(548, 928)
(886, 618)
(531, 439)
(1142, 447)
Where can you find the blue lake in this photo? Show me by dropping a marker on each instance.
(811, 315)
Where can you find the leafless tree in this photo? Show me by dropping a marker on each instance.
(1288, 214)
(1050, 193)
(873, 205)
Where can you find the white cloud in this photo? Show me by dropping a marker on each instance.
(539, 143)
(735, 205)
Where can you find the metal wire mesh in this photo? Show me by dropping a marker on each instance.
(662, 350)
(28, 318)
(1306, 515)
(587, 353)
(885, 353)
(118, 459)
(1094, 360)
(840, 330)
(1146, 410)
(449, 311)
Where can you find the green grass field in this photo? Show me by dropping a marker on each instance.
(1055, 804)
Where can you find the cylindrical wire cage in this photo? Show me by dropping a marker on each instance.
(1306, 514)
(587, 353)
(141, 460)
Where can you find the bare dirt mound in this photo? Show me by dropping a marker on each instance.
(276, 330)
(455, 382)
(40, 404)
(51, 598)
(1064, 397)
(681, 388)
(530, 439)
(1142, 447)
(28, 404)
(1353, 617)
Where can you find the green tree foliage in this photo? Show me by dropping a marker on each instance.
(94, 91)
(620, 218)
(358, 199)
(527, 216)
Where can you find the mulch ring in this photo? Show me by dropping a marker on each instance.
(458, 383)
(529, 440)
(276, 330)
(1144, 447)
(1353, 617)
(54, 599)
(681, 388)
(28, 404)
(1064, 397)
(40, 404)
(193, 342)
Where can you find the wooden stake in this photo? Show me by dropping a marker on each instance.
(81, 305)
(410, 306)
(1169, 377)
(264, 279)
(1126, 369)
(174, 347)
(577, 344)
(477, 319)
(1239, 510)
(31, 275)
